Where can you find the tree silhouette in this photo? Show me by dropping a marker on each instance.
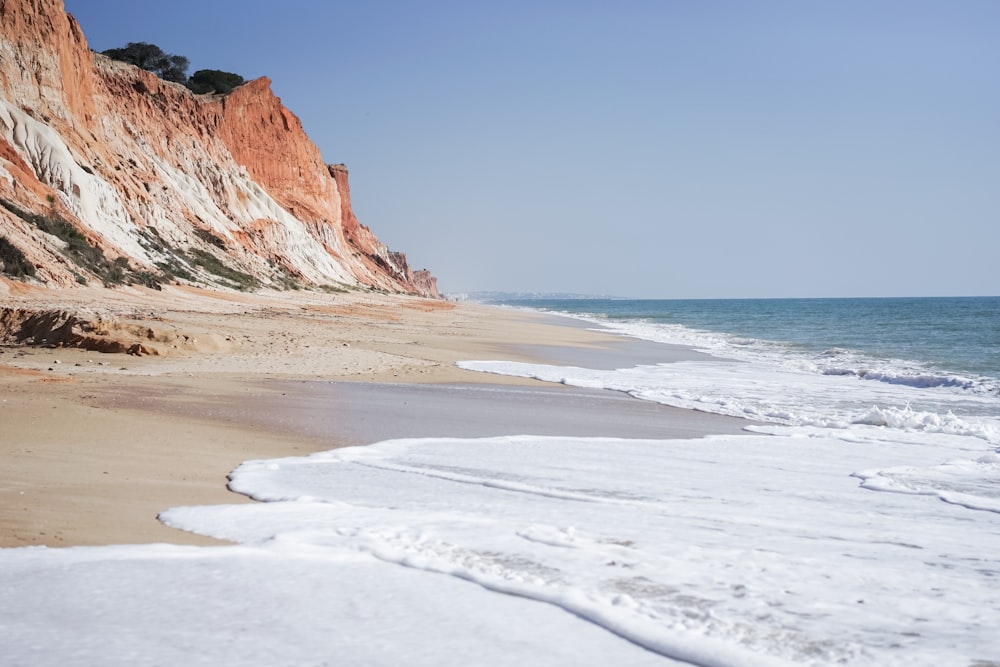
(168, 67)
(214, 81)
(152, 58)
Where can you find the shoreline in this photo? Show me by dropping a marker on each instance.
(97, 445)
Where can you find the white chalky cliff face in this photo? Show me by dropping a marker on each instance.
(150, 172)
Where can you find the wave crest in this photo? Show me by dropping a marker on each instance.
(930, 422)
(918, 380)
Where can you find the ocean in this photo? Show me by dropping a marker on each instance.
(950, 336)
(889, 361)
(856, 521)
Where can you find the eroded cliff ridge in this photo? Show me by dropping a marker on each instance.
(109, 173)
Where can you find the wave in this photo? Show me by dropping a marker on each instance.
(920, 380)
(930, 422)
(833, 361)
(969, 483)
(777, 395)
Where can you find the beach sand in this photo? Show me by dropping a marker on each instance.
(95, 445)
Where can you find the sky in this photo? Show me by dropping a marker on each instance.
(654, 149)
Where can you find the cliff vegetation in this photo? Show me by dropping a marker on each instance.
(152, 58)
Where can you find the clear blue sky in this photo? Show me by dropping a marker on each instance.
(672, 148)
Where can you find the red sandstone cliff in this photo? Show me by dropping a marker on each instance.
(224, 190)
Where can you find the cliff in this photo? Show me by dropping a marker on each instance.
(108, 173)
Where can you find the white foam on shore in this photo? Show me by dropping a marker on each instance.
(838, 407)
(731, 550)
(278, 605)
(755, 549)
(969, 483)
(779, 395)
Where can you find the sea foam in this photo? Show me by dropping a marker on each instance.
(757, 549)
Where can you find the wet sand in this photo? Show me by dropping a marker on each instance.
(338, 414)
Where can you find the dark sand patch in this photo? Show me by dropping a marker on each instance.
(337, 414)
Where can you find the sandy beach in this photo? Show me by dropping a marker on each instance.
(96, 445)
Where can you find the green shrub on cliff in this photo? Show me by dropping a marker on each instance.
(13, 262)
(169, 67)
(152, 58)
(75, 247)
(206, 260)
(214, 81)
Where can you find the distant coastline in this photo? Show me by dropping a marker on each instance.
(500, 297)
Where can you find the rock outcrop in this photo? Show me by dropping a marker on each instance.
(110, 173)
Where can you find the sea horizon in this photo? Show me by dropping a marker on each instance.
(499, 296)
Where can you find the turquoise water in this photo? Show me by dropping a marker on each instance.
(955, 337)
